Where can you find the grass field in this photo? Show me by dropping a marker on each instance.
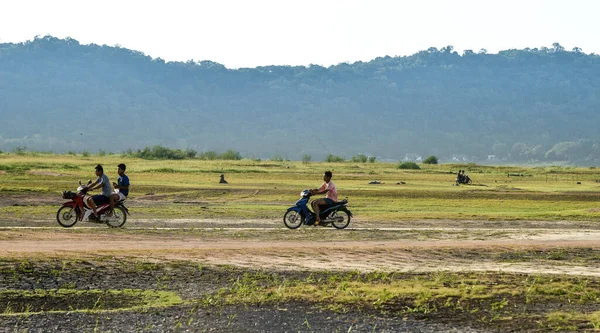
(263, 189)
(517, 250)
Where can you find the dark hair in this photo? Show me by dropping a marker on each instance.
(122, 166)
(99, 168)
(328, 174)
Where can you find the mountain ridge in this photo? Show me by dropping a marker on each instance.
(517, 105)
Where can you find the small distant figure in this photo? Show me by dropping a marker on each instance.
(462, 178)
(223, 181)
(375, 182)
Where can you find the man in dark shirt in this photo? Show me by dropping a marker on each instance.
(121, 186)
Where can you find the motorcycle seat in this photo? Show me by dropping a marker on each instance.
(334, 204)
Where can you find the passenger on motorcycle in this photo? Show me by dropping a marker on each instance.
(331, 197)
(99, 199)
(121, 186)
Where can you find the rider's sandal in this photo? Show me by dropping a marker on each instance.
(317, 223)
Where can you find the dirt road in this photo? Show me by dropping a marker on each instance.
(507, 250)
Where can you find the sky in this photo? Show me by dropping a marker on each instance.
(251, 33)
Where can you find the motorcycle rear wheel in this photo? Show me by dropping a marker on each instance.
(345, 219)
(292, 219)
(66, 216)
(118, 218)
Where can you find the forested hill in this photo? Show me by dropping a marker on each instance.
(532, 104)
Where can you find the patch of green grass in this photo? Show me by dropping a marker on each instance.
(264, 189)
(63, 300)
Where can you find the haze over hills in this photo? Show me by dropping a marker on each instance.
(536, 104)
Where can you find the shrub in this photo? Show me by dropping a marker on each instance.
(360, 158)
(277, 158)
(409, 165)
(231, 155)
(306, 158)
(431, 160)
(163, 153)
(333, 158)
(209, 155)
(20, 150)
(372, 159)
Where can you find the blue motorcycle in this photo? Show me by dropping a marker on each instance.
(337, 214)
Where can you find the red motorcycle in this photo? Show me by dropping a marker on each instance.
(77, 210)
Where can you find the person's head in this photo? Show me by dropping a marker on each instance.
(99, 170)
(121, 169)
(327, 176)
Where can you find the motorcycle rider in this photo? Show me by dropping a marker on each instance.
(99, 199)
(331, 197)
(121, 186)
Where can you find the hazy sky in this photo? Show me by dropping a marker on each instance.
(250, 33)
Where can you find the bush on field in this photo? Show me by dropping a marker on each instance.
(306, 158)
(231, 155)
(360, 158)
(163, 153)
(332, 158)
(431, 160)
(209, 155)
(409, 165)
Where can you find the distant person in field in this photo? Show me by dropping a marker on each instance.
(223, 181)
(331, 197)
(99, 199)
(121, 186)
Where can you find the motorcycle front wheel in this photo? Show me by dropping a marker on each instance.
(341, 219)
(292, 219)
(118, 218)
(66, 216)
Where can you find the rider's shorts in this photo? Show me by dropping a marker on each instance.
(100, 199)
(121, 196)
(329, 201)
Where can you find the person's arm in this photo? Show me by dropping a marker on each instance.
(94, 185)
(322, 189)
(122, 185)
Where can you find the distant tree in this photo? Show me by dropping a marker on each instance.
(209, 155)
(333, 158)
(231, 155)
(20, 150)
(431, 160)
(360, 158)
(306, 158)
(277, 158)
(372, 159)
(409, 165)
(447, 49)
(557, 47)
(189, 153)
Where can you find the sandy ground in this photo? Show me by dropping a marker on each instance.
(407, 255)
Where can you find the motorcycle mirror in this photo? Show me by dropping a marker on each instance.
(80, 182)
